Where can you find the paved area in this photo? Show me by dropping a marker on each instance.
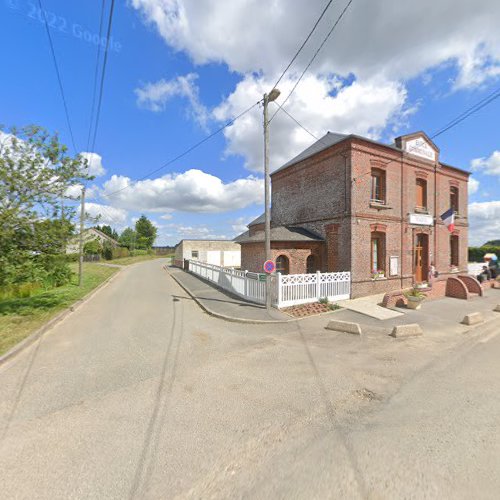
(221, 303)
(139, 394)
(369, 306)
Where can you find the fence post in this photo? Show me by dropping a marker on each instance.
(245, 281)
(318, 285)
(280, 296)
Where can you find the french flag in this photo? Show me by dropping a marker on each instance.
(449, 219)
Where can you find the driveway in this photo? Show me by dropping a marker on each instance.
(138, 394)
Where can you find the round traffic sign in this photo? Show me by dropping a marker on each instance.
(269, 266)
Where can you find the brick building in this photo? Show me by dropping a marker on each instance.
(348, 203)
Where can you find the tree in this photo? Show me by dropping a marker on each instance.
(128, 238)
(146, 232)
(35, 173)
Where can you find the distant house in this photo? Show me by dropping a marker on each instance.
(90, 234)
(219, 252)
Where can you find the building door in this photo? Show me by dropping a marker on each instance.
(421, 262)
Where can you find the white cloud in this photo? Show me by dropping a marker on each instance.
(95, 167)
(75, 191)
(473, 185)
(320, 103)
(488, 166)
(196, 232)
(399, 39)
(113, 216)
(240, 224)
(166, 216)
(484, 220)
(155, 96)
(191, 191)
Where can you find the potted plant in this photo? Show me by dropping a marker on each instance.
(415, 298)
(380, 273)
(422, 285)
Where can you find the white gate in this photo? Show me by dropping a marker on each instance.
(294, 289)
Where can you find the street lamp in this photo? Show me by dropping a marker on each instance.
(272, 96)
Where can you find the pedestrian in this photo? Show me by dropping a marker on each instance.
(484, 275)
(432, 273)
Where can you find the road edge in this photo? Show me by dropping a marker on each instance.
(18, 348)
(235, 319)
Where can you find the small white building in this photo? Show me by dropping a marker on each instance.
(218, 252)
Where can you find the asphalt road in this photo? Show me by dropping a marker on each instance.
(138, 394)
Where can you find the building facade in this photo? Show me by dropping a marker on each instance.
(218, 252)
(369, 208)
(90, 234)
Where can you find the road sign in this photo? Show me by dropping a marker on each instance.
(269, 266)
(262, 277)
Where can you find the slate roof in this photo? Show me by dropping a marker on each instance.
(331, 138)
(280, 233)
(259, 220)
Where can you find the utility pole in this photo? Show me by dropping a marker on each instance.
(80, 250)
(272, 96)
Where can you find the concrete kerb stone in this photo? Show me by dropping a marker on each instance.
(344, 326)
(56, 319)
(233, 319)
(473, 319)
(403, 331)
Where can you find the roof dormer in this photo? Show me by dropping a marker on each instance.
(418, 144)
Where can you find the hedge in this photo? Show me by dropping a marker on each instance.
(476, 254)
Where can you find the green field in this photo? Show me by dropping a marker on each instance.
(19, 317)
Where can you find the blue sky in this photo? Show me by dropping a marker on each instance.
(177, 70)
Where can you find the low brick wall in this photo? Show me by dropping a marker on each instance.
(456, 288)
(472, 284)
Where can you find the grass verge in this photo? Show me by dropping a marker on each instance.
(20, 317)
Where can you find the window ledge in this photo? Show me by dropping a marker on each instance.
(380, 279)
(379, 206)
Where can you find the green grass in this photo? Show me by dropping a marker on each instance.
(19, 317)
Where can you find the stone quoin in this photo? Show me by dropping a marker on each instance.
(348, 203)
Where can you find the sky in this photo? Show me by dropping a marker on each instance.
(178, 71)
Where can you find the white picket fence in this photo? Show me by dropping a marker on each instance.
(294, 289)
(287, 290)
(241, 283)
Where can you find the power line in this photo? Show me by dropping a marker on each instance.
(187, 151)
(96, 73)
(303, 43)
(339, 18)
(103, 73)
(468, 112)
(58, 74)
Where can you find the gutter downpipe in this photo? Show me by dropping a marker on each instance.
(402, 221)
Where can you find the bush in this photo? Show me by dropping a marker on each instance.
(476, 254)
(120, 252)
(107, 250)
(134, 253)
(72, 257)
(57, 271)
(93, 247)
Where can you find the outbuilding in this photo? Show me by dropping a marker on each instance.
(218, 252)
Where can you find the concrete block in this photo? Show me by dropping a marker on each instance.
(344, 326)
(497, 308)
(473, 319)
(411, 330)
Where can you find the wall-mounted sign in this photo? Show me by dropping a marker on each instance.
(421, 219)
(420, 147)
(394, 265)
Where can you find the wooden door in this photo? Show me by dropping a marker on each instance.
(421, 253)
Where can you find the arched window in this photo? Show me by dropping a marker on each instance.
(311, 264)
(377, 252)
(282, 265)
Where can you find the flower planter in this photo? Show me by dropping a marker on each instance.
(414, 302)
